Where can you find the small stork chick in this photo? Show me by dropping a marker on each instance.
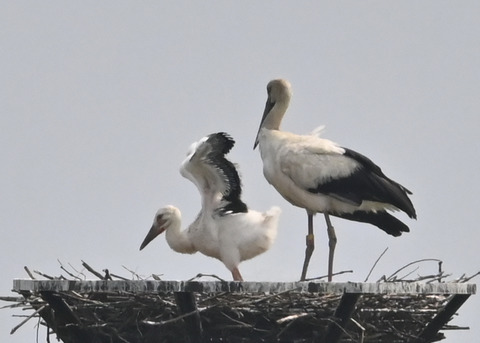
(322, 177)
(231, 239)
(225, 228)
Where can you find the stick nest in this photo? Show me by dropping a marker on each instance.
(229, 317)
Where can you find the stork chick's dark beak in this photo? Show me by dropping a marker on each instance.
(154, 232)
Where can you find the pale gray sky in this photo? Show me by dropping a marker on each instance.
(100, 101)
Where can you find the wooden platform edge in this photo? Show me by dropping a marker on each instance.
(154, 286)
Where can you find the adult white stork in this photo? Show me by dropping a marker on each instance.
(225, 228)
(320, 176)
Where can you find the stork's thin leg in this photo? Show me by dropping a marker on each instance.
(236, 275)
(310, 247)
(332, 242)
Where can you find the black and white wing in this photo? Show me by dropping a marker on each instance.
(349, 177)
(214, 175)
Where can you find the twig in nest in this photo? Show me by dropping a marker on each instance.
(362, 329)
(292, 317)
(45, 275)
(93, 271)
(466, 279)
(78, 272)
(66, 271)
(236, 321)
(27, 319)
(163, 322)
(266, 297)
(432, 278)
(48, 331)
(214, 296)
(375, 264)
(119, 277)
(12, 299)
(134, 274)
(334, 274)
(409, 264)
(199, 275)
(406, 275)
(292, 320)
(335, 322)
(29, 272)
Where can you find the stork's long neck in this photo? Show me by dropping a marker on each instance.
(271, 120)
(178, 239)
(274, 118)
(275, 109)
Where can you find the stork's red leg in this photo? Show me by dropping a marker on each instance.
(332, 242)
(236, 275)
(310, 242)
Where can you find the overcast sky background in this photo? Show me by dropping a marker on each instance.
(100, 101)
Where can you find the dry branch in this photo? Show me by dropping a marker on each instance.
(392, 276)
(375, 264)
(325, 276)
(34, 314)
(66, 270)
(29, 272)
(93, 271)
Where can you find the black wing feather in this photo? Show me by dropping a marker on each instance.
(221, 144)
(368, 183)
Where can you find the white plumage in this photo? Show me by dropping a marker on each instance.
(320, 176)
(225, 228)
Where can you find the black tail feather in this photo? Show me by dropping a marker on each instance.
(370, 183)
(383, 220)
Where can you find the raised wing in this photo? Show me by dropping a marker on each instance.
(215, 176)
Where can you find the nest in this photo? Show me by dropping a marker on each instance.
(292, 315)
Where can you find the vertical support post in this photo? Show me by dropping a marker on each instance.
(342, 315)
(186, 304)
(61, 317)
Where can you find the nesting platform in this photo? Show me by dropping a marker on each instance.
(220, 311)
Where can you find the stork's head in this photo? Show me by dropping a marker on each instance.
(279, 93)
(162, 221)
